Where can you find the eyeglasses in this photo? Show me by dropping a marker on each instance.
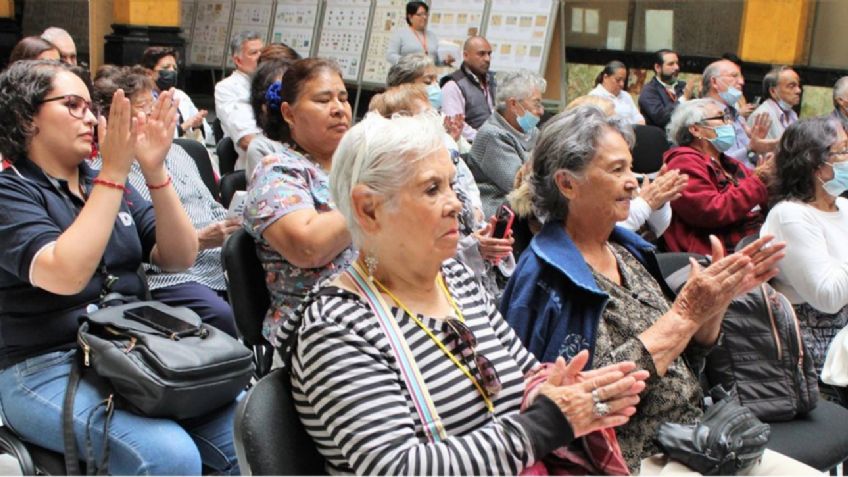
(724, 117)
(468, 349)
(842, 152)
(77, 105)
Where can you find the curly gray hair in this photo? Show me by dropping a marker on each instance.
(568, 142)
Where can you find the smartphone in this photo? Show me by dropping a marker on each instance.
(159, 320)
(503, 221)
(757, 100)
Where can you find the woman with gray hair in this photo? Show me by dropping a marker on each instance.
(504, 142)
(391, 180)
(723, 198)
(586, 284)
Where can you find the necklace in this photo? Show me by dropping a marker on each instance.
(422, 40)
(489, 405)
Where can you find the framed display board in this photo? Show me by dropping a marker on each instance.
(210, 37)
(249, 15)
(295, 24)
(343, 35)
(187, 11)
(456, 20)
(520, 33)
(388, 15)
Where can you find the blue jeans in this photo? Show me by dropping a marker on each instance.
(31, 394)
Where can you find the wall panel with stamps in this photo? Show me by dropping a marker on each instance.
(187, 10)
(453, 21)
(388, 15)
(210, 36)
(295, 24)
(343, 35)
(520, 32)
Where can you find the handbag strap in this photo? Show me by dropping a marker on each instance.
(409, 369)
(70, 443)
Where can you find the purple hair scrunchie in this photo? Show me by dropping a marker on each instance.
(272, 95)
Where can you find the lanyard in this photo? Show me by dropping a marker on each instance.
(464, 369)
(422, 40)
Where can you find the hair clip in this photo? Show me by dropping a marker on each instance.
(272, 95)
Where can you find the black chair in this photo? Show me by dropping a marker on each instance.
(227, 155)
(32, 459)
(819, 439)
(671, 262)
(248, 295)
(198, 152)
(269, 437)
(648, 151)
(230, 184)
(217, 130)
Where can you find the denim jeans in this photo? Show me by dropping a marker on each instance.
(31, 395)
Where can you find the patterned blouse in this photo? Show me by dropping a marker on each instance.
(284, 183)
(632, 308)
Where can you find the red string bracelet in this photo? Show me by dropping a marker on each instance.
(113, 185)
(160, 186)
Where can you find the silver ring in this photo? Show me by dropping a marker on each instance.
(596, 396)
(601, 409)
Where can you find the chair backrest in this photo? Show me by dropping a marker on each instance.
(227, 155)
(746, 240)
(268, 434)
(230, 183)
(198, 152)
(671, 262)
(217, 130)
(648, 151)
(245, 285)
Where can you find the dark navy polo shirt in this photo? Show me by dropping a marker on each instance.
(34, 210)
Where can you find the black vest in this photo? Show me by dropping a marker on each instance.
(477, 109)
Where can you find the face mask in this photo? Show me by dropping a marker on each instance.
(167, 79)
(434, 94)
(725, 137)
(731, 96)
(784, 105)
(839, 183)
(527, 121)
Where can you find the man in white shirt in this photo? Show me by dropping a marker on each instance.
(232, 94)
(782, 90)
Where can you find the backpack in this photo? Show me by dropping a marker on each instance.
(762, 354)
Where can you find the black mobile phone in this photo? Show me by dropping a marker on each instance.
(159, 320)
(503, 221)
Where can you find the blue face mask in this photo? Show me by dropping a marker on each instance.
(434, 94)
(839, 183)
(527, 121)
(784, 105)
(731, 96)
(725, 137)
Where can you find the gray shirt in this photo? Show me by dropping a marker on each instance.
(260, 147)
(404, 42)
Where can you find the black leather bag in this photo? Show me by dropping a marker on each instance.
(164, 368)
(729, 438)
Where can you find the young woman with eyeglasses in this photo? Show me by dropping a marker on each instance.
(72, 234)
(392, 180)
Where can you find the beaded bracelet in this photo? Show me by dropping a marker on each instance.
(160, 186)
(113, 185)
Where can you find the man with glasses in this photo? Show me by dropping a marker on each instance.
(63, 42)
(723, 81)
(782, 87)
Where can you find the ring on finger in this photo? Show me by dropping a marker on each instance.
(596, 396)
(601, 409)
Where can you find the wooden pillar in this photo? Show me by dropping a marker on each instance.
(10, 33)
(775, 31)
(142, 23)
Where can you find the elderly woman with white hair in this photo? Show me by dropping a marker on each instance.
(723, 197)
(504, 142)
(407, 328)
(586, 284)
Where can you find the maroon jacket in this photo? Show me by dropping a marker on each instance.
(712, 202)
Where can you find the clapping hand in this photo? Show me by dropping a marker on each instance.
(668, 186)
(118, 137)
(155, 134)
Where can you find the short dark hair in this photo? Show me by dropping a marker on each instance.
(659, 56)
(609, 70)
(153, 54)
(412, 9)
(23, 86)
(296, 76)
(110, 78)
(270, 119)
(29, 48)
(804, 148)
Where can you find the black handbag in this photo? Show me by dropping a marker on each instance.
(728, 439)
(161, 361)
